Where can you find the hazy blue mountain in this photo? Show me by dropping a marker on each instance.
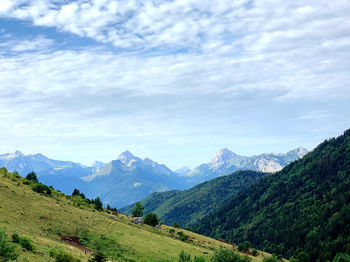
(183, 170)
(63, 175)
(129, 179)
(226, 162)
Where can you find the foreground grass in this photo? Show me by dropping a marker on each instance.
(45, 219)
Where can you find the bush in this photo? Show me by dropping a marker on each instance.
(183, 257)
(183, 237)
(176, 225)
(32, 177)
(244, 247)
(7, 250)
(270, 259)
(65, 257)
(98, 256)
(15, 238)
(26, 243)
(41, 188)
(151, 219)
(138, 210)
(199, 259)
(255, 252)
(224, 255)
(303, 257)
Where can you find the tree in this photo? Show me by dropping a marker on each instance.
(76, 192)
(98, 204)
(177, 225)
(151, 219)
(138, 210)
(32, 177)
(7, 250)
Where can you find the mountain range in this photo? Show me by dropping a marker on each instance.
(186, 207)
(127, 179)
(226, 162)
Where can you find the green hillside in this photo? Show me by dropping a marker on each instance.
(185, 207)
(47, 219)
(305, 206)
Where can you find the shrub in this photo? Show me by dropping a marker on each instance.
(244, 247)
(199, 259)
(41, 188)
(32, 177)
(270, 259)
(171, 231)
(255, 252)
(176, 225)
(65, 257)
(98, 256)
(26, 243)
(224, 255)
(137, 211)
(303, 257)
(183, 257)
(183, 237)
(151, 219)
(15, 238)
(7, 250)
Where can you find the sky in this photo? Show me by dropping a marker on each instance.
(173, 80)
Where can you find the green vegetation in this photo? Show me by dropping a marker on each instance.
(304, 206)
(138, 210)
(151, 219)
(32, 177)
(186, 207)
(224, 255)
(69, 228)
(65, 257)
(41, 188)
(7, 250)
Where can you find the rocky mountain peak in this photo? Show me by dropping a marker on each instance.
(127, 158)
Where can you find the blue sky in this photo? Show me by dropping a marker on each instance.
(174, 81)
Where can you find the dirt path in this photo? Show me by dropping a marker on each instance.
(75, 242)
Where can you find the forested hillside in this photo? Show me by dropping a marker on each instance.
(304, 206)
(185, 207)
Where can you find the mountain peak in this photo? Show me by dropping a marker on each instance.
(223, 155)
(127, 158)
(13, 155)
(299, 152)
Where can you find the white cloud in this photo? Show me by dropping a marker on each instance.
(193, 71)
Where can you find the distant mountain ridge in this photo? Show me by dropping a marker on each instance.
(129, 178)
(186, 207)
(226, 162)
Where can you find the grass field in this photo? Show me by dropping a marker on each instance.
(45, 219)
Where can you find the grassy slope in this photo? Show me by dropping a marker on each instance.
(45, 219)
(186, 207)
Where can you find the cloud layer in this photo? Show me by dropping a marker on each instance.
(172, 78)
